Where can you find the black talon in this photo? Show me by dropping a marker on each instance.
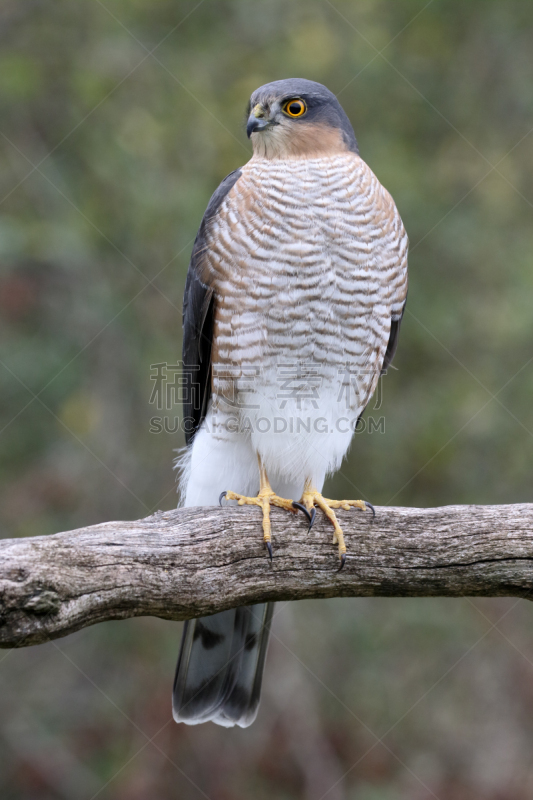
(343, 562)
(269, 548)
(312, 519)
(222, 496)
(306, 512)
(372, 509)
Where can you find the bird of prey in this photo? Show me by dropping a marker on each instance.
(294, 297)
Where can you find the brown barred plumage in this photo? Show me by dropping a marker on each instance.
(302, 262)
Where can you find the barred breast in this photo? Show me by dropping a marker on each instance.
(308, 258)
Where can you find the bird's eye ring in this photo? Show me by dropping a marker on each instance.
(295, 107)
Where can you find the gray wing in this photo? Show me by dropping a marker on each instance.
(393, 339)
(199, 303)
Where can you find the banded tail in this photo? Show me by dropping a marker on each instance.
(220, 667)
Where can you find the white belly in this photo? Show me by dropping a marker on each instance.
(299, 416)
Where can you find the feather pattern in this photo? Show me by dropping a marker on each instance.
(220, 667)
(294, 298)
(308, 259)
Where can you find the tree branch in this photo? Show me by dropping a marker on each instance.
(195, 561)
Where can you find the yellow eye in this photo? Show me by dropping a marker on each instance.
(295, 108)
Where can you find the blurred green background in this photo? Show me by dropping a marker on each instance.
(118, 119)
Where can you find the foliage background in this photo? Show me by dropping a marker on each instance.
(118, 118)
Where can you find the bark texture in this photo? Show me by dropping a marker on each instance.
(195, 561)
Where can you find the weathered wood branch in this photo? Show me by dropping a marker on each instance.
(185, 563)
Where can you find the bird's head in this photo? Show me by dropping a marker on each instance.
(297, 118)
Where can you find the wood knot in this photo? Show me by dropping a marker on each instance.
(15, 574)
(44, 602)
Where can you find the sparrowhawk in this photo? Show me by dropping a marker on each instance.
(294, 297)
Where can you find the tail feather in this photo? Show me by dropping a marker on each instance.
(220, 667)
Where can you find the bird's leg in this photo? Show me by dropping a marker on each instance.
(266, 498)
(311, 498)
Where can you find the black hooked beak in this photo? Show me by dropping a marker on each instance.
(258, 120)
(255, 124)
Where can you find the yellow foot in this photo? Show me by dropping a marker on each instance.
(311, 498)
(264, 499)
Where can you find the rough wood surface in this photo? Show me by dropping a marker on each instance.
(185, 563)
